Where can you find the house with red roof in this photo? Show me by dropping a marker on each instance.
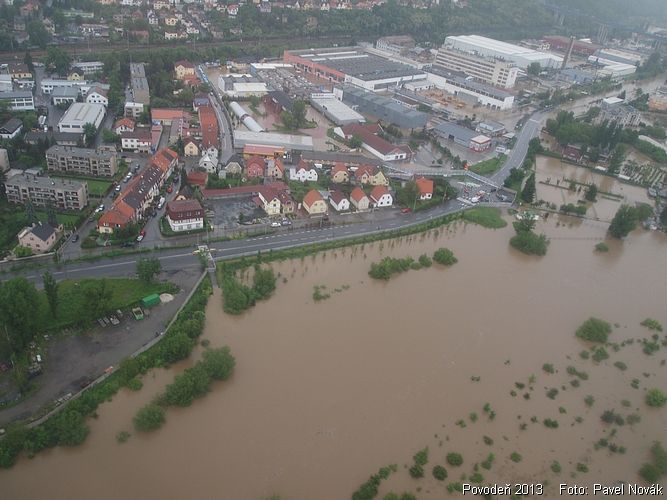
(339, 201)
(197, 179)
(165, 159)
(340, 173)
(275, 168)
(255, 166)
(124, 125)
(313, 203)
(185, 215)
(303, 172)
(167, 115)
(373, 143)
(208, 121)
(425, 187)
(359, 199)
(370, 174)
(381, 197)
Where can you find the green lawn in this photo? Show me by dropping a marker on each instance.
(485, 216)
(124, 292)
(68, 220)
(488, 167)
(96, 187)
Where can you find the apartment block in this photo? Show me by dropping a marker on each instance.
(42, 191)
(98, 163)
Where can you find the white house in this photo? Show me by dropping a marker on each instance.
(138, 141)
(11, 128)
(381, 197)
(97, 96)
(209, 163)
(303, 173)
(338, 200)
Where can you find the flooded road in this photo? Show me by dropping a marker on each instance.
(326, 393)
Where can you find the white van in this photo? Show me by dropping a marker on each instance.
(160, 203)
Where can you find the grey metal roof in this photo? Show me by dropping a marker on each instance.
(11, 125)
(463, 81)
(461, 133)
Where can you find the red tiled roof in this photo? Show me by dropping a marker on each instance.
(339, 167)
(357, 129)
(160, 114)
(369, 169)
(357, 194)
(184, 63)
(378, 191)
(209, 127)
(311, 197)
(198, 178)
(164, 158)
(113, 218)
(425, 185)
(260, 149)
(124, 122)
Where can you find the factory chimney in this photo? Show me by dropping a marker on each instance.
(568, 53)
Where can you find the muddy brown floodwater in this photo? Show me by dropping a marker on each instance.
(326, 393)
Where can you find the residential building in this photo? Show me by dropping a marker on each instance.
(275, 169)
(269, 201)
(40, 238)
(81, 161)
(381, 197)
(64, 95)
(11, 128)
(199, 101)
(613, 109)
(199, 179)
(208, 122)
(234, 167)
(313, 203)
(185, 215)
(19, 71)
(372, 175)
(463, 136)
(340, 173)
(359, 199)
(425, 187)
(137, 141)
(255, 167)
(89, 68)
(190, 147)
(339, 201)
(43, 191)
(493, 71)
(78, 115)
(209, 163)
(303, 172)
(97, 95)
(18, 100)
(124, 124)
(75, 75)
(166, 116)
(184, 70)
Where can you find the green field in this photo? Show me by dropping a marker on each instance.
(96, 187)
(485, 216)
(489, 166)
(124, 292)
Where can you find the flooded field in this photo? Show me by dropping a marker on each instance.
(324, 393)
(553, 179)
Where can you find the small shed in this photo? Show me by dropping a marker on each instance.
(150, 300)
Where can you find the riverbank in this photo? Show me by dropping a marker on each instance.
(326, 392)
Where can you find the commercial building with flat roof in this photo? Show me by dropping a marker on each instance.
(79, 114)
(335, 110)
(354, 66)
(489, 70)
(461, 85)
(489, 47)
(89, 67)
(464, 136)
(241, 85)
(380, 107)
(64, 95)
(287, 141)
(82, 161)
(138, 91)
(19, 100)
(43, 191)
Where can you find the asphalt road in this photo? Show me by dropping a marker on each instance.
(531, 129)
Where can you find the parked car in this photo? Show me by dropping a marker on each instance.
(140, 237)
(406, 210)
(286, 222)
(170, 189)
(75, 238)
(275, 224)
